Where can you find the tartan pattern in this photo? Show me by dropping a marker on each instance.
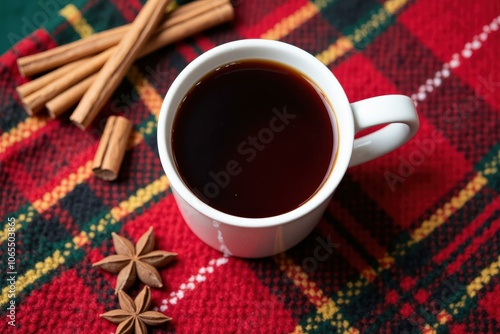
(414, 254)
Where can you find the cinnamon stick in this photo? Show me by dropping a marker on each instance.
(111, 149)
(183, 29)
(61, 55)
(35, 102)
(70, 97)
(67, 53)
(115, 68)
(38, 83)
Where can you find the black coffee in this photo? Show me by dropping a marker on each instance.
(253, 139)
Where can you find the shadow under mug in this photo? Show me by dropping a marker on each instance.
(259, 237)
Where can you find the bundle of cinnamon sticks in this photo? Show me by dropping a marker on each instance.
(86, 72)
(74, 67)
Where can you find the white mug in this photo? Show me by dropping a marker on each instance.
(259, 237)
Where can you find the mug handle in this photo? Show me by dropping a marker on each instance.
(399, 110)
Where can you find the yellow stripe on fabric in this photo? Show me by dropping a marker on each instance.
(330, 310)
(326, 307)
(393, 6)
(22, 131)
(336, 50)
(301, 280)
(41, 268)
(442, 214)
(290, 23)
(137, 200)
(77, 21)
(64, 187)
(484, 278)
(477, 284)
(26, 217)
(353, 289)
(140, 198)
(149, 96)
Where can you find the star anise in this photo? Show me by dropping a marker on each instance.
(140, 260)
(133, 315)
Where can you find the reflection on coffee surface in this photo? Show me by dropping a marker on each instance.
(254, 138)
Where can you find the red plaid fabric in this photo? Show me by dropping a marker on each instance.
(412, 238)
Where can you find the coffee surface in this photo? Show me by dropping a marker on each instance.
(253, 139)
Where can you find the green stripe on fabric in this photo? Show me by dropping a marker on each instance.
(490, 166)
(99, 236)
(361, 25)
(363, 35)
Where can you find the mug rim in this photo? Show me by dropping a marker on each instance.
(340, 108)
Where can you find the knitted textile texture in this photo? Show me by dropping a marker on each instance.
(410, 242)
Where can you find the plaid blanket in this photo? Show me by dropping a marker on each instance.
(410, 242)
